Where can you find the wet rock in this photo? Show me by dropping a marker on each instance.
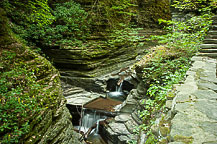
(124, 139)
(129, 104)
(141, 89)
(155, 129)
(136, 117)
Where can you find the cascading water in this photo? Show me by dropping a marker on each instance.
(97, 125)
(119, 88)
(118, 94)
(89, 125)
(89, 119)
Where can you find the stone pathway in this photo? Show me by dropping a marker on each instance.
(195, 105)
(194, 108)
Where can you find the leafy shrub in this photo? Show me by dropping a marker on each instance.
(36, 11)
(112, 14)
(69, 28)
(124, 37)
(166, 65)
(69, 25)
(18, 88)
(185, 36)
(195, 5)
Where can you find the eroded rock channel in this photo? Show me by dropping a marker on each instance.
(94, 112)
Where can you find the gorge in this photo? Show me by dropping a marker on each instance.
(107, 72)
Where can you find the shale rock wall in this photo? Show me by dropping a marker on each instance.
(53, 123)
(82, 69)
(85, 71)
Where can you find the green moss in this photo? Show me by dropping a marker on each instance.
(5, 38)
(184, 139)
(170, 95)
(165, 140)
(199, 73)
(32, 86)
(151, 10)
(164, 127)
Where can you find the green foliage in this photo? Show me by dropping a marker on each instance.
(36, 11)
(169, 64)
(124, 37)
(185, 36)
(117, 14)
(67, 26)
(15, 111)
(23, 92)
(200, 6)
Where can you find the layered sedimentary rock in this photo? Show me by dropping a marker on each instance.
(85, 71)
(52, 123)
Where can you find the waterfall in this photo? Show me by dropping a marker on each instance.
(117, 95)
(97, 125)
(89, 119)
(119, 88)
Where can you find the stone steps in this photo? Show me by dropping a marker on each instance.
(212, 55)
(210, 41)
(214, 22)
(214, 17)
(211, 36)
(213, 27)
(212, 32)
(208, 46)
(208, 50)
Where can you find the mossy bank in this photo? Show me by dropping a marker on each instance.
(32, 106)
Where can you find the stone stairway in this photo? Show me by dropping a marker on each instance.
(192, 116)
(209, 46)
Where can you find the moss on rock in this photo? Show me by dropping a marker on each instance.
(184, 139)
(33, 86)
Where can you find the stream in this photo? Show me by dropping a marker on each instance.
(93, 114)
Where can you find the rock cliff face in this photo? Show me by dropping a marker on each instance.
(100, 57)
(86, 71)
(84, 68)
(52, 124)
(151, 10)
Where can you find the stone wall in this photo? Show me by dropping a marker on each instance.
(192, 112)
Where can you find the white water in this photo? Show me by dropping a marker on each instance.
(117, 95)
(119, 88)
(89, 119)
(97, 125)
